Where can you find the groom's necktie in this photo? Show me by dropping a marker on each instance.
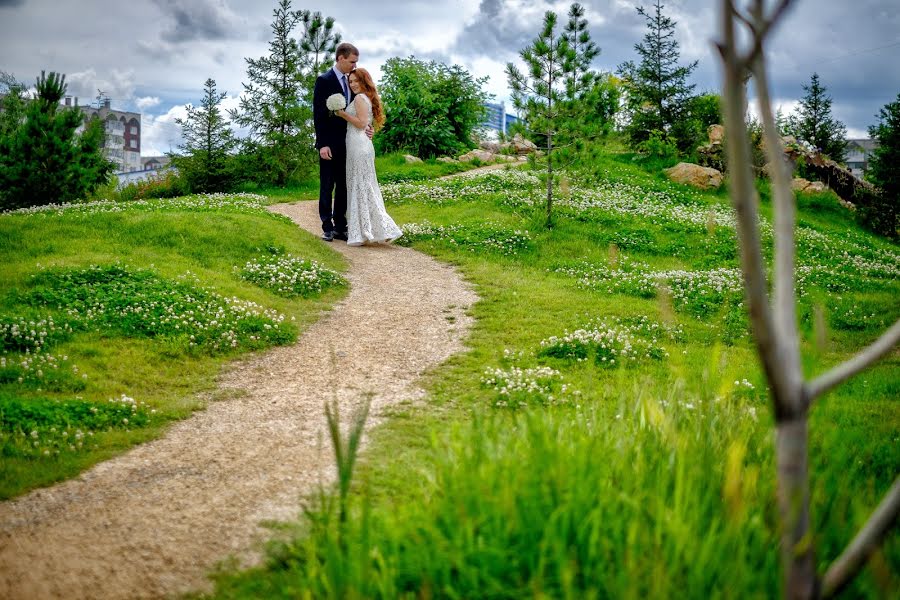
(344, 85)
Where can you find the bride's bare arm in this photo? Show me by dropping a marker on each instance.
(357, 122)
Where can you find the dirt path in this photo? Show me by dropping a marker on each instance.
(153, 522)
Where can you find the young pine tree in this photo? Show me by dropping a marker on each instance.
(43, 160)
(205, 161)
(657, 89)
(274, 106)
(318, 45)
(540, 94)
(884, 171)
(814, 124)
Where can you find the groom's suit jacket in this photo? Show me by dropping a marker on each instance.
(331, 131)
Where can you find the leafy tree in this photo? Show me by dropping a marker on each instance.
(540, 94)
(12, 103)
(883, 215)
(42, 157)
(813, 123)
(657, 91)
(206, 159)
(276, 106)
(431, 109)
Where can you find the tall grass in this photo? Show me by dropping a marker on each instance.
(538, 469)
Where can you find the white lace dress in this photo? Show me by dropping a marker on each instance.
(367, 219)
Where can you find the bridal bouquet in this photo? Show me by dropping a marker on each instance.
(336, 102)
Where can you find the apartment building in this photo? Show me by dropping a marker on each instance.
(123, 134)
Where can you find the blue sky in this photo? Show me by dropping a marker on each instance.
(153, 56)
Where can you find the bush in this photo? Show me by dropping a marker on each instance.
(166, 184)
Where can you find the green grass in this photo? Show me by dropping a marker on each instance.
(538, 470)
(128, 305)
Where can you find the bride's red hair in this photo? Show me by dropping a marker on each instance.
(367, 87)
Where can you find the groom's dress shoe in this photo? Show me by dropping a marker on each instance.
(328, 236)
(340, 235)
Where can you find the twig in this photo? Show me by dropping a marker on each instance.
(849, 368)
(848, 564)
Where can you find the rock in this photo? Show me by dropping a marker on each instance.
(447, 159)
(804, 185)
(716, 134)
(482, 155)
(519, 145)
(409, 158)
(702, 177)
(492, 147)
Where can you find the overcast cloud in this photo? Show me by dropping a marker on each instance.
(153, 57)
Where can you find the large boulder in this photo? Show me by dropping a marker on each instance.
(492, 147)
(716, 134)
(482, 155)
(704, 178)
(447, 159)
(519, 145)
(409, 158)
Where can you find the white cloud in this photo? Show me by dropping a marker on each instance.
(145, 102)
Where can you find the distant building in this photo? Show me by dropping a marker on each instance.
(858, 153)
(123, 134)
(497, 117)
(154, 163)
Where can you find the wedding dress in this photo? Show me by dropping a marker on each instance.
(367, 219)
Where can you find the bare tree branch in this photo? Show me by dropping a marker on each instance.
(849, 563)
(785, 302)
(847, 369)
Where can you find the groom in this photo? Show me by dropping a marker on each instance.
(331, 134)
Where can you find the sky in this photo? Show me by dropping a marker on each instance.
(153, 56)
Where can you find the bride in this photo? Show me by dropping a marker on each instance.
(367, 219)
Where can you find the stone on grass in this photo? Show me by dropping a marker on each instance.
(704, 178)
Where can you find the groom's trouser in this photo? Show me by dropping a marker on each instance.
(333, 180)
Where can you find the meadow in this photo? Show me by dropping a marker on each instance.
(606, 433)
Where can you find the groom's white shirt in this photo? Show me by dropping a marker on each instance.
(340, 77)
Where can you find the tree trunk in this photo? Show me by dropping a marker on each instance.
(797, 558)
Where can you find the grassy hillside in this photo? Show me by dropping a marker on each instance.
(607, 434)
(116, 319)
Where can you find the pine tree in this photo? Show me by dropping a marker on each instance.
(318, 44)
(657, 89)
(208, 144)
(813, 123)
(42, 158)
(276, 106)
(579, 76)
(884, 172)
(539, 94)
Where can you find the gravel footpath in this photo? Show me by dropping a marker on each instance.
(153, 522)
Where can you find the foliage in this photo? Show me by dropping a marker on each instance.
(318, 42)
(166, 183)
(812, 122)
(206, 161)
(431, 109)
(883, 215)
(539, 94)
(276, 105)
(657, 94)
(42, 158)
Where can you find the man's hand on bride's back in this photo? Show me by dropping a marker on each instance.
(370, 131)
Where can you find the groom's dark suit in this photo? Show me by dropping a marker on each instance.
(331, 131)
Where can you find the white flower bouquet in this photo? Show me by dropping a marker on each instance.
(336, 102)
